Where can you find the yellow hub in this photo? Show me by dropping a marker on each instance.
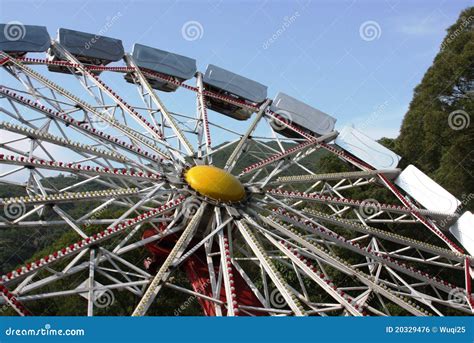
(215, 183)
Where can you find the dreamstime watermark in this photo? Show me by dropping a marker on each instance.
(109, 22)
(103, 123)
(280, 120)
(373, 116)
(192, 30)
(190, 207)
(466, 199)
(44, 331)
(466, 23)
(287, 22)
(104, 299)
(96, 215)
(369, 207)
(191, 299)
(370, 30)
(459, 120)
(14, 30)
(14, 210)
(458, 298)
(276, 299)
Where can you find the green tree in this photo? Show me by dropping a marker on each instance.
(436, 134)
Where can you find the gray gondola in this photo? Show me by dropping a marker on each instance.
(241, 88)
(180, 68)
(17, 39)
(305, 117)
(88, 48)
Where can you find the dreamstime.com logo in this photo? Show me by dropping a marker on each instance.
(281, 120)
(466, 199)
(44, 331)
(458, 298)
(369, 207)
(191, 299)
(104, 299)
(109, 22)
(190, 207)
(103, 124)
(276, 299)
(370, 30)
(14, 211)
(14, 30)
(287, 22)
(465, 25)
(192, 30)
(459, 120)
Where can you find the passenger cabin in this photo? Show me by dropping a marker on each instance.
(88, 48)
(17, 40)
(366, 149)
(240, 88)
(178, 67)
(301, 115)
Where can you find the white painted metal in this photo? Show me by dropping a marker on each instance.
(463, 230)
(365, 148)
(426, 191)
(137, 165)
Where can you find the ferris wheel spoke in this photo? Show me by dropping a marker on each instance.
(10, 299)
(77, 168)
(227, 275)
(35, 91)
(73, 249)
(85, 106)
(282, 166)
(106, 89)
(385, 180)
(217, 150)
(44, 136)
(287, 124)
(210, 236)
(286, 153)
(391, 173)
(73, 268)
(202, 126)
(164, 271)
(160, 105)
(80, 126)
(386, 235)
(372, 205)
(121, 248)
(379, 257)
(252, 285)
(270, 269)
(426, 222)
(68, 197)
(234, 156)
(344, 266)
(311, 272)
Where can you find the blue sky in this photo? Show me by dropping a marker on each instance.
(320, 57)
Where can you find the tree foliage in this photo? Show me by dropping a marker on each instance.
(436, 133)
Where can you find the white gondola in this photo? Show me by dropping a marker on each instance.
(307, 118)
(463, 230)
(30, 38)
(88, 48)
(366, 149)
(241, 88)
(180, 68)
(426, 191)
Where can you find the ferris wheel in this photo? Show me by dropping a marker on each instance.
(247, 217)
